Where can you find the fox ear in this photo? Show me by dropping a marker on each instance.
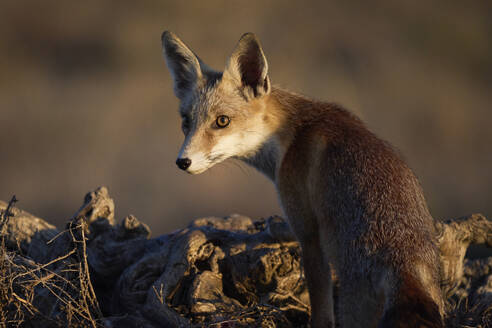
(248, 67)
(183, 64)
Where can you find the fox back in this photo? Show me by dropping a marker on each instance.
(354, 205)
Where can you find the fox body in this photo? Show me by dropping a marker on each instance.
(352, 202)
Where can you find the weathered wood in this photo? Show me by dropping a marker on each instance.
(216, 272)
(455, 236)
(26, 232)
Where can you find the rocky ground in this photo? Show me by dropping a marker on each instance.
(217, 272)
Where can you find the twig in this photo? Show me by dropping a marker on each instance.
(159, 294)
(7, 213)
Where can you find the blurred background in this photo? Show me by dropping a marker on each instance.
(86, 99)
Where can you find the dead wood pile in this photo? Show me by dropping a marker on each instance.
(217, 272)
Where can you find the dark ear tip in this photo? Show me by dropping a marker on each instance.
(248, 37)
(167, 36)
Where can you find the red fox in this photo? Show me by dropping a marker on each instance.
(351, 201)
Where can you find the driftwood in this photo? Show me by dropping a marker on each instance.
(217, 272)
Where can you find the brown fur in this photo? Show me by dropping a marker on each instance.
(413, 308)
(341, 185)
(350, 199)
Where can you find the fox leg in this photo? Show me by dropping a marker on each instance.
(315, 257)
(320, 285)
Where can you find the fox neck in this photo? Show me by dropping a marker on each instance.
(281, 110)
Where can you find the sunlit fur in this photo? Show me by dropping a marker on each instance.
(351, 201)
(206, 144)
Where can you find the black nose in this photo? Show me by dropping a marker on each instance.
(183, 163)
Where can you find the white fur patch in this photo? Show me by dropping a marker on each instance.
(239, 144)
(199, 162)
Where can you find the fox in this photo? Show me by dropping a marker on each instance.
(352, 202)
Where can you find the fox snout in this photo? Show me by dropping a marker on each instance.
(183, 163)
(191, 158)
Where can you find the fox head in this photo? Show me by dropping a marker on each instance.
(224, 114)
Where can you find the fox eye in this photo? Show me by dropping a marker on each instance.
(222, 121)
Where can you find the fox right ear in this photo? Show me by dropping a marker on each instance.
(248, 67)
(183, 64)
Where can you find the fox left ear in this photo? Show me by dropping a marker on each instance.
(248, 67)
(185, 67)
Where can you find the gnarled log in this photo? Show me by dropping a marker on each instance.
(216, 272)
